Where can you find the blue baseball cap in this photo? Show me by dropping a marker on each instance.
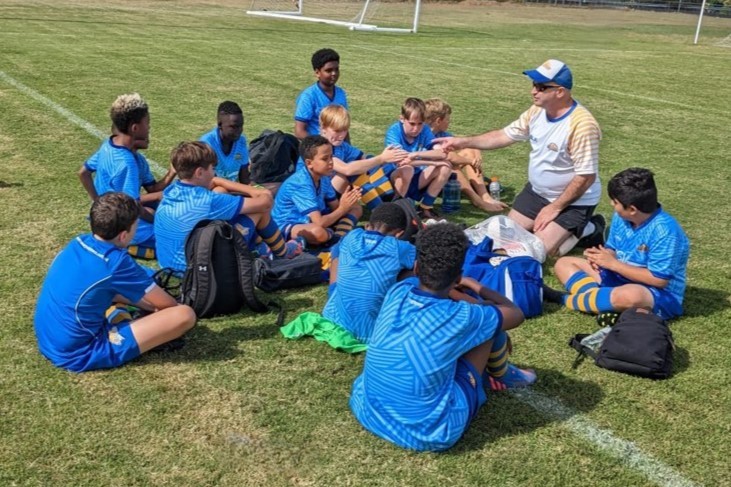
(552, 71)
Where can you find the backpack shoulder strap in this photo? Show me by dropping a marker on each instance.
(245, 263)
(575, 343)
(199, 281)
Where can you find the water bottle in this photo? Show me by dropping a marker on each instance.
(451, 195)
(494, 188)
(595, 340)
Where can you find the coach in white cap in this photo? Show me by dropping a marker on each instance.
(563, 172)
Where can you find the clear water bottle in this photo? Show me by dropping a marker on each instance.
(451, 195)
(595, 340)
(494, 188)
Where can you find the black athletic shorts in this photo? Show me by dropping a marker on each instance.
(573, 218)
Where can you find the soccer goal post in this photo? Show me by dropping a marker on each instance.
(366, 15)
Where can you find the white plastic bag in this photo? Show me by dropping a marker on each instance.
(509, 236)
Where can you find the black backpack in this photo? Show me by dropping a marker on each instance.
(273, 156)
(219, 277)
(413, 222)
(273, 275)
(640, 343)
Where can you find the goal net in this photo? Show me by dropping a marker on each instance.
(369, 15)
(725, 42)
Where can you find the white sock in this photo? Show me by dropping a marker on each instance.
(588, 229)
(567, 245)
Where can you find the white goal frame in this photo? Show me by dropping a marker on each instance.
(356, 25)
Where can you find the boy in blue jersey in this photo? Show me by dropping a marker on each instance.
(76, 323)
(350, 164)
(643, 263)
(424, 172)
(307, 205)
(365, 264)
(190, 200)
(120, 167)
(422, 381)
(229, 143)
(467, 163)
(324, 92)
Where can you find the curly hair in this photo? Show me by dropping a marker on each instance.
(113, 213)
(229, 108)
(310, 144)
(126, 110)
(389, 216)
(440, 254)
(323, 56)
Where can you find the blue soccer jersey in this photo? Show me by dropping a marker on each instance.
(395, 136)
(310, 103)
(80, 285)
(230, 164)
(368, 265)
(119, 169)
(298, 196)
(407, 392)
(345, 152)
(182, 207)
(658, 244)
(443, 134)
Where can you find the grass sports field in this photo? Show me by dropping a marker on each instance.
(239, 405)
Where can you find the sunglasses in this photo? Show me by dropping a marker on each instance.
(541, 87)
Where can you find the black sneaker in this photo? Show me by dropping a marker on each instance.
(608, 318)
(553, 295)
(427, 213)
(596, 238)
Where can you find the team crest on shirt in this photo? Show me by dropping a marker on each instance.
(553, 147)
(242, 229)
(473, 382)
(643, 248)
(115, 338)
(237, 157)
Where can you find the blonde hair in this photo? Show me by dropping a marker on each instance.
(436, 108)
(126, 110)
(335, 117)
(413, 106)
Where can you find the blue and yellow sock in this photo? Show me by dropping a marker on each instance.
(273, 238)
(147, 253)
(345, 224)
(596, 300)
(580, 282)
(497, 363)
(427, 201)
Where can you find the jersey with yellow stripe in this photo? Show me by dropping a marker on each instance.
(561, 149)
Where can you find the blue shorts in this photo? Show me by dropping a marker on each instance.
(145, 234)
(470, 382)
(664, 304)
(414, 192)
(112, 348)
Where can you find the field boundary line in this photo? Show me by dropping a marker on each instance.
(498, 71)
(68, 115)
(626, 451)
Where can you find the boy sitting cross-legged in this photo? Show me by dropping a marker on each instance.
(350, 164)
(424, 172)
(76, 323)
(307, 205)
(422, 381)
(365, 264)
(642, 264)
(189, 200)
(467, 163)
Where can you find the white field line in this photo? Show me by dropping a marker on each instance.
(71, 117)
(625, 451)
(656, 471)
(509, 73)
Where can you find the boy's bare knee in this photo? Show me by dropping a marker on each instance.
(356, 211)
(185, 316)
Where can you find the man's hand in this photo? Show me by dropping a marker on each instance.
(546, 216)
(448, 144)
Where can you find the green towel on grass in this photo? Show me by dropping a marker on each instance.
(323, 330)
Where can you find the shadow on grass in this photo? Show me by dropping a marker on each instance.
(509, 414)
(701, 301)
(4, 184)
(681, 360)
